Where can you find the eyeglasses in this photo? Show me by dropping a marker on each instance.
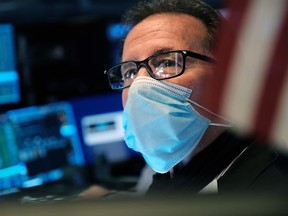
(160, 66)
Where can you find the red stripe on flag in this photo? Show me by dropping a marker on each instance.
(274, 83)
(227, 40)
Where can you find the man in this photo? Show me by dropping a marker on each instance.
(167, 60)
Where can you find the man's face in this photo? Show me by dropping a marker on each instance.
(169, 32)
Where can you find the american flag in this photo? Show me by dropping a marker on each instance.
(251, 83)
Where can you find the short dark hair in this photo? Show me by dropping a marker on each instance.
(210, 17)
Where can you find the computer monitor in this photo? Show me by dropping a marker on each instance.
(99, 121)
(38, 145)
(9, 77)
(12, 171)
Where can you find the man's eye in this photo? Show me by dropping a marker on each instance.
(130, 73)
(165, 63)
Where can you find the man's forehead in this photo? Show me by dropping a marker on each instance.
(165, 31)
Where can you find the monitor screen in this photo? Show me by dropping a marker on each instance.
(37, 145)
(9, 78)
(12, 170)
(99, 124)
(99, 121)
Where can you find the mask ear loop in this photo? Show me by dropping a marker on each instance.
(219, 116)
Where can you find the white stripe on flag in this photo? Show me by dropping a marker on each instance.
(280, 130)
(250, 61)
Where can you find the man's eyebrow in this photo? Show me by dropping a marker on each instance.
(155, 52)
(162, 50)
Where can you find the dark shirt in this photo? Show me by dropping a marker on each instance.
(251, 170)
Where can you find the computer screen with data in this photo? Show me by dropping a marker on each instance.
(37, 145)
(9, 77)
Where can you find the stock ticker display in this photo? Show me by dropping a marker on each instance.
(36, 144)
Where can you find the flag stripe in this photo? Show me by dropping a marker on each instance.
(274, 82)
(250, 86)
(280, 127)
(250, 60)
(224, 52)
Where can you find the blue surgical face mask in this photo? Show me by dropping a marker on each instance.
(160, 123)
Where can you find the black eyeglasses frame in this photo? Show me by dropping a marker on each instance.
(144, 63)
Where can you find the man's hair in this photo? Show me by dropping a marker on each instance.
(210, 17)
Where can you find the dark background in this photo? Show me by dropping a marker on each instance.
(62, 46)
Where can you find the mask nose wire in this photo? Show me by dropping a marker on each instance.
(212, 113)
